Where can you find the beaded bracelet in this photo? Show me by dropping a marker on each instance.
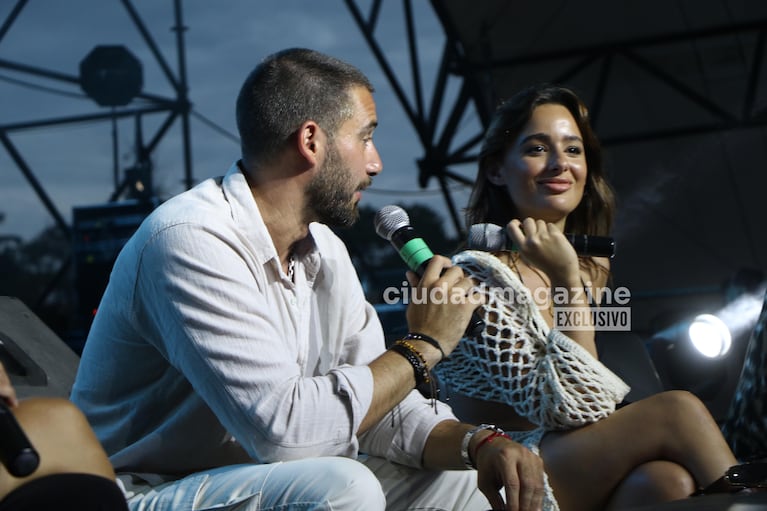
(420, 370)
(403, 342)
(417, 336)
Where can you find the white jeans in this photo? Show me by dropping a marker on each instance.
(333, 483)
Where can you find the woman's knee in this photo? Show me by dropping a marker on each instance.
(677, 407)
(53, 416)
(48, 408)
(681, 400)
(62, 436)
(63, 439)
(654, 482)
(671, 480)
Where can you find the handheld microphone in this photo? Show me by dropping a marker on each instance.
(16, 453)
(491, 237)
(392, 223)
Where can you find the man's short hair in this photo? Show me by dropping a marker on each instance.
(287, 89)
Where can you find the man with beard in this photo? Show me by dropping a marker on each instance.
(234, 362)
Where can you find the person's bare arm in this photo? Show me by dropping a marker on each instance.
(444, 320)
(502, 465)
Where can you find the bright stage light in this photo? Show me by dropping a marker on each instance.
(710, 336)
(703, 353)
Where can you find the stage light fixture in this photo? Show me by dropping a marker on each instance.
(710, 336)
(703, 352)
(111, 75)
(713, 334)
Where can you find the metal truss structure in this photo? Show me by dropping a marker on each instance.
(173, 108)
(143, 104)
(485, 68)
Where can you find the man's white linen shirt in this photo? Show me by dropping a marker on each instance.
(204, 353)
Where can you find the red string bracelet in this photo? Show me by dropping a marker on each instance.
(489, 438)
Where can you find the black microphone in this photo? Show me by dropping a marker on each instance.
(491, 237)
(392, 223)
(16, 453)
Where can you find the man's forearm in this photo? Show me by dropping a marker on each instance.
(393, 379)
(445, 444)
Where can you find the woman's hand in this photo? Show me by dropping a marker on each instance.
(544, 246)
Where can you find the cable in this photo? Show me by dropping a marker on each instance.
(216, 127)
(43, 88)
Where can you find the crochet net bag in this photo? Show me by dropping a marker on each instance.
(518, 360)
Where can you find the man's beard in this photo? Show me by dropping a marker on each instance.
(330, 194)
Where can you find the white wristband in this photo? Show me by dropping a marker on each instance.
(467, 438)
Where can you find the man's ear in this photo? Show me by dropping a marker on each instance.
(309, 139)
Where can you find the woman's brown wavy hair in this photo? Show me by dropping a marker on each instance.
(490, 203)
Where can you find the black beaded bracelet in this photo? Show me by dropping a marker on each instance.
(417, 336)
(420, 370)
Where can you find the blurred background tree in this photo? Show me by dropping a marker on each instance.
(38, 272)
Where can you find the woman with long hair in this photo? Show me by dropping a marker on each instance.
(540, 175)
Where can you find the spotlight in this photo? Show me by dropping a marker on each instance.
(713, 334)
(710, 335)
(703, 353)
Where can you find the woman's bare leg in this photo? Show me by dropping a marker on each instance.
(651, 483)
(587, 465)
(62, 437)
